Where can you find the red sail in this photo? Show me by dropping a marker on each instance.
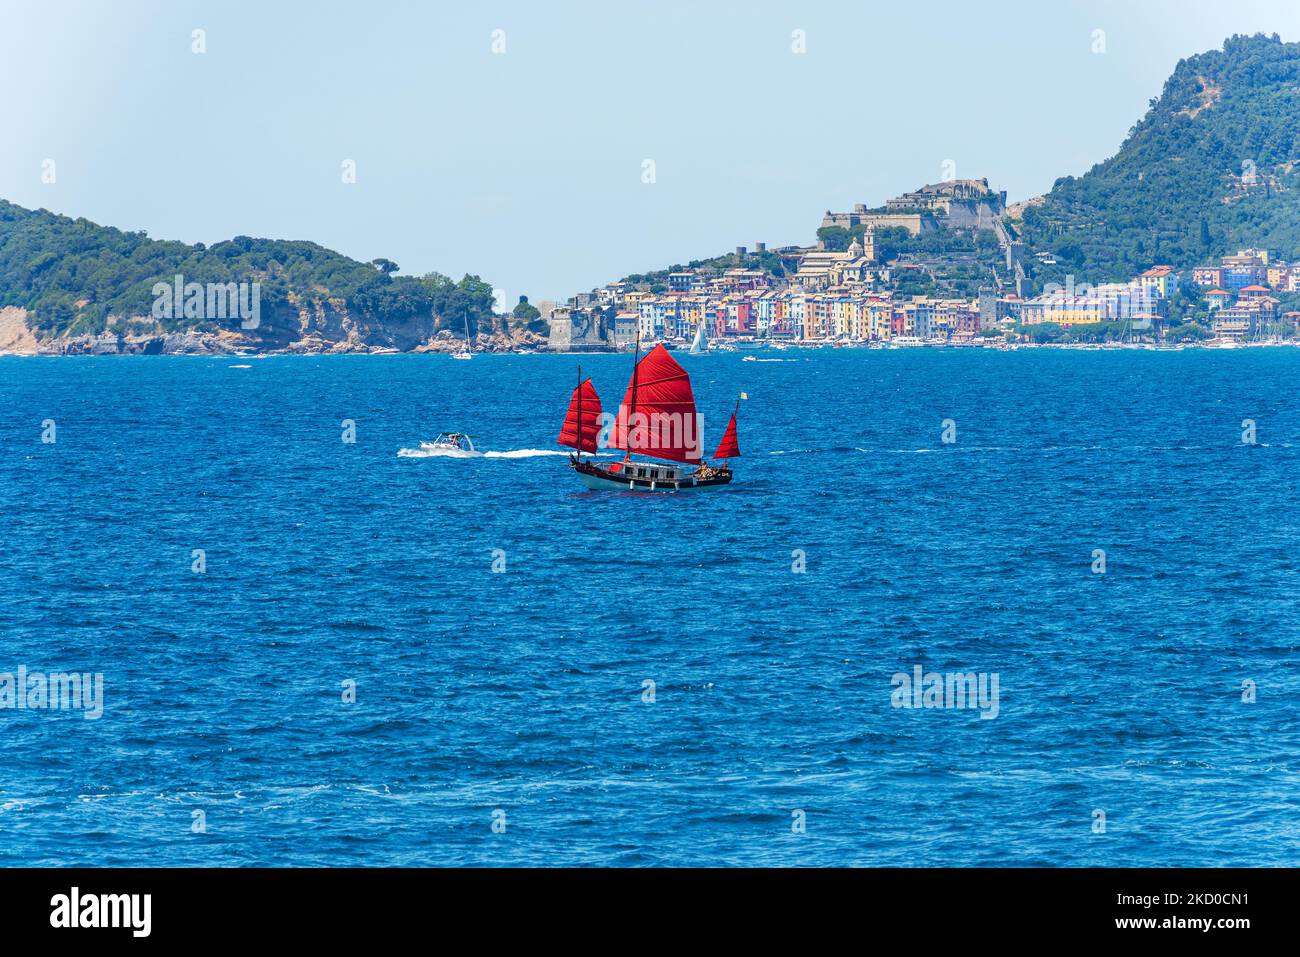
(728, 448)
(657, 416)
(590, 419)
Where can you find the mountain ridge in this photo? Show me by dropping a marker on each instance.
(1211, 167)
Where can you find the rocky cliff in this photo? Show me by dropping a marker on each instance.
(311, 329)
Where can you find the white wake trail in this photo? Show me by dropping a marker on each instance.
(429, 451)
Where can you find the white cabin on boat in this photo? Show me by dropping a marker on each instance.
(653, 473)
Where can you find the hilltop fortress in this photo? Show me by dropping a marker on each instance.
(953, 204)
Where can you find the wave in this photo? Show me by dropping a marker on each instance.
(522, 453)
(841, 449)
(428, 451)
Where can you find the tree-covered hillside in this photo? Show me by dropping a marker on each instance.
(71, 275)
(1211, 168)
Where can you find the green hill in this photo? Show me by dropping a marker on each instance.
(1211, 167)
(78, 279)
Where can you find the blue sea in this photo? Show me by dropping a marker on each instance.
(1146, 714)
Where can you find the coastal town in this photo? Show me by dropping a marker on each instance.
(939, 266)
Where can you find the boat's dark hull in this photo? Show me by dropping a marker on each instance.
(602, 479)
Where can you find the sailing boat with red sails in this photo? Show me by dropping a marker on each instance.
(657, 419)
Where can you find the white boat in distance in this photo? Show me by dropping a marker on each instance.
(450, 442)
(464, 353)
(701, 343)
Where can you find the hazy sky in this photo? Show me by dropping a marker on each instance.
(526, 166)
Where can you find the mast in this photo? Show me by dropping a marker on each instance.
(579, 411)
(734, 412)
(636, 361)
(657, 410)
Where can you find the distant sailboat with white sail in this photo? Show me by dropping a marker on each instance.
(700, 345)
(464, 353)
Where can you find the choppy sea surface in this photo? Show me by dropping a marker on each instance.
(519, 696)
